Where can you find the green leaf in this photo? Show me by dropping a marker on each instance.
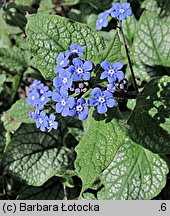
(48, 35)
(160, 8)
(12, 59)
(34, 157)
(10, 124)
(134, 174)
(50, 190)
(150, 120)
(98, 4)
(129, 28)
(4, 37)
(15, 80)
(112, 53)
(25, 2)
(151, 45)
(45, 6)
(17, 114)
(6, 30)
(20, 111)
(2, 80)
(70, 2)
(98, 146)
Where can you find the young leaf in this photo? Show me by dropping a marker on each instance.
(150, 120)
(34, 157)
(49, 35)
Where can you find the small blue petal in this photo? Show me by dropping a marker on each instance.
(86, 76)
(111, 103)
(102, 108)
(125, 5)
(105, 65)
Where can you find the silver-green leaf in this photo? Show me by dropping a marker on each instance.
(151, 45)
(34, 157)
(49, 35)
(134, 174)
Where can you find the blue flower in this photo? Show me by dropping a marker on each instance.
(52, 123)
(34, 114)
(75, 50)
(111, 87)
(64, 80)
(42, 121)
(121, 10)
(33, 98)
(63, 61)
(72, 88)
(77, 91)
(34, 85)
(102, 20)
(101, 99)
(81, 70)
(42, 88)
(64, 103)
(81, 85)
(80, 109)
(112, 72)
(44, 99)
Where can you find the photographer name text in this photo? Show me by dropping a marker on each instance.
(63, 207)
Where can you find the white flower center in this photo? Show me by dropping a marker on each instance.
(42, 98)
(79, 108)
(50, 123)
(64, 80)
(33, 97)
(111, 71)
(74, 51)
(101, 99)
(63, 102)
(101, 20)
(79, 70)
(121, 10)
(62, 62)
(42, 91)
(40, 120)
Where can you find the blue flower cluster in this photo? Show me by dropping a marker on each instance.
(39, 95)
(104, 99)
(120, 11)
(72, 77)
(70, 84)
(73, 74)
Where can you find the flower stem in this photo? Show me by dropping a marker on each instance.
(128, 56)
